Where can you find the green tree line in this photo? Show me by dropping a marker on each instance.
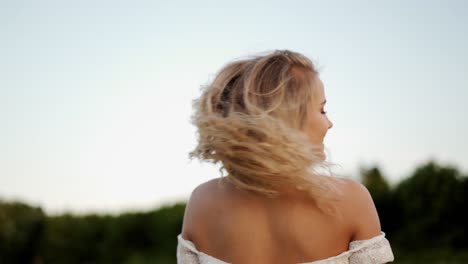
(424, 217)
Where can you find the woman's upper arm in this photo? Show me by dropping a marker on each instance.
(195, 212)
(190, 215)
(364, 218)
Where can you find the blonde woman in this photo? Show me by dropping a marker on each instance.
(263, 119)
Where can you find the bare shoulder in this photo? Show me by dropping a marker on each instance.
(200, 207)
(360, 209)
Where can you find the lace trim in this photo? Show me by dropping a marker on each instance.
(375, 250)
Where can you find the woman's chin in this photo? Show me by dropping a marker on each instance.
(322, 156)
(319, 151)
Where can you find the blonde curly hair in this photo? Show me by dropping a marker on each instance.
(251, 118)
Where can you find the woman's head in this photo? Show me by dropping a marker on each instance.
(317, 125)
(282, 84)
(263, 119)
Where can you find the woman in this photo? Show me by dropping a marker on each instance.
(263, 118)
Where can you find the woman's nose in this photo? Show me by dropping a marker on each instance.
(330, 124)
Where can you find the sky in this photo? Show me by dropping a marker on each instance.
(95, 96)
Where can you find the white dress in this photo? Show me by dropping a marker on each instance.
(375, 250)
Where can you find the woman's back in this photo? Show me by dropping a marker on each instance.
(263, 119)
(242, 227)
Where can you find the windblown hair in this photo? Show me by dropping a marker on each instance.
(251, 118)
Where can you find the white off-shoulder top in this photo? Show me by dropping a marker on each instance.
(375, 250)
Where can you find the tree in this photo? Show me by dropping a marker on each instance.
(21, 231)
(432, 199)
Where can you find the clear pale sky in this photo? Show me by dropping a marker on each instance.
(95, 96)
